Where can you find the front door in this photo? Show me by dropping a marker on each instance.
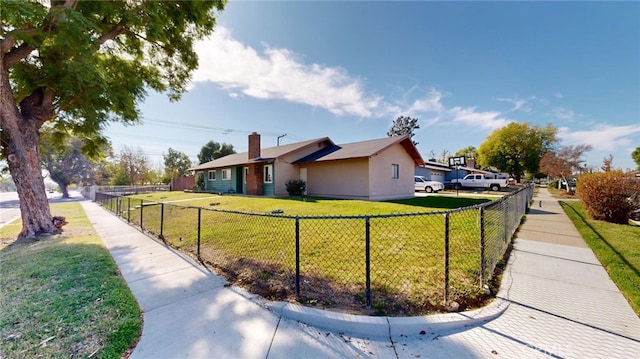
(303, 176)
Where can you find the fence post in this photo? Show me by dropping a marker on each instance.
(297, 259)
(368, 260)
(118, 206)
(141, 207)
(482, 238)
(505, 220)
(446, 259)
(162, 221)
(129, 209)
(199, 223)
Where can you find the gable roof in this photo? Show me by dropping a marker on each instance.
(332, 152)
(363, 149)
(266, 155)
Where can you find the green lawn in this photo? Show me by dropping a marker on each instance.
(617, 247)
(62, 296)
(407, 265)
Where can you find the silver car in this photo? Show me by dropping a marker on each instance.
(423, 184)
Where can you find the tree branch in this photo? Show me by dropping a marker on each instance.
(117, 30)
(16, 54)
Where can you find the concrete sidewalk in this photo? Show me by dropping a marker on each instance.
(556, 300)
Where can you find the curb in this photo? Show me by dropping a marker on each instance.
(367, 326)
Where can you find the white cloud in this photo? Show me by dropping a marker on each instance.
(518, 104)
(563, 114)
(558, 95)
(491, 120)
(602, 138)
(279, 74)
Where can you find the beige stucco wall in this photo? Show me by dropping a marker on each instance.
(382, 186)
(362, 178)
(283, 172)
(338, 179)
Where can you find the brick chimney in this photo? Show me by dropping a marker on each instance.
(254, 145)
(254, 175)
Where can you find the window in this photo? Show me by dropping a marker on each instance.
(395, 171)
(226, 174)
(268, 174)
(246, 174)
(212, 175)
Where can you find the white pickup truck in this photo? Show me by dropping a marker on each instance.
(480, 181)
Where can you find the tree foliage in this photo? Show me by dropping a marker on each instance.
(212, 150)
(404, 126)
(176, 164)
(609, 196)
(636, 156)
(467, 152)
(78, 64)
(564, 162)
(516, 148)
(607, 163)
(66, 164)
(133, 167)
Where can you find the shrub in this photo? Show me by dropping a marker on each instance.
(610, 196)
(296, 187)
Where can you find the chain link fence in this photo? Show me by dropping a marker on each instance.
(396, 264)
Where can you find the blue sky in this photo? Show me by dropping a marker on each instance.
(347, 69)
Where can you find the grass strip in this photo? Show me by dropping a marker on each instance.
(63, 296)
(617, 247)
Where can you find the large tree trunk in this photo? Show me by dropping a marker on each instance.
(21, 141)
(63, 187)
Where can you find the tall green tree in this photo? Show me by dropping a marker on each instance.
(212, 150)
(176, 164)
(404, 126)
(517, 148)
(636, 156)
(467, 152)
(79, 64)
(66, 164)
(133, 167)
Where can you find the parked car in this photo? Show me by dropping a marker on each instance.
(423, 184)
(480, 181)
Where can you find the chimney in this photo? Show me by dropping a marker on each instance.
(254, 145)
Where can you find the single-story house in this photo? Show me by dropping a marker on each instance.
(370, 170)
(433, 171)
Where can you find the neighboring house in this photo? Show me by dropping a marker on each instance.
(370, 170)
(433, 171)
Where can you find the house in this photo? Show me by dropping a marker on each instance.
(433, 171)
(370, 170)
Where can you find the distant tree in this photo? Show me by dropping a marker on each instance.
(467, 152)
(444, 156)
(607, 163)
(213, 150)
(176, 164)
(80, 64)
(66, 164)
(564, 162)
(404, 126)
(133, 167)
(516, 148)
(636, 156)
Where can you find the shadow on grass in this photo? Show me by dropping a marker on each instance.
(441, 202)
(612, 248)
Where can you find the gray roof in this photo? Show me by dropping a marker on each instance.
(331, 153)
(268, 154)
(364, 149)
